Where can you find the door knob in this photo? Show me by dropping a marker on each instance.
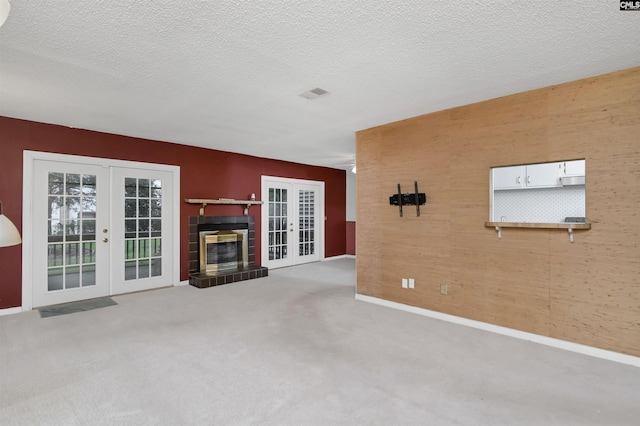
(105, 240)
(104, 231)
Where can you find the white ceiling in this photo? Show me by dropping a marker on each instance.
(227, 74)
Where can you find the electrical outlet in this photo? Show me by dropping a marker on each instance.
(412, 283)
(405, 283)
(443, 289)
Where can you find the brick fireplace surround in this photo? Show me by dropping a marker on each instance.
(209, 279)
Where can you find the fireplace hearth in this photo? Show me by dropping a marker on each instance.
(222, 250)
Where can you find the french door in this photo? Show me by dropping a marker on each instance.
(141, 221)
(70, 233)
(99, 230)
(292, 225)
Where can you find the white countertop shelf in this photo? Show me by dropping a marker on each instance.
(569, 226)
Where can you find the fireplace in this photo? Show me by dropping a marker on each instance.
(222, 250)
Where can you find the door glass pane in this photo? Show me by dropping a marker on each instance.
(89, 230)
(130, 248)
(278, 217)
(71, 225)
(88, 275)
(89, 253)
(72, 277)
(156, 227)
(56, 183)
(89, 186)
(72, 184)
(156, 267)
(143, 201)
(306, 208)
(143, 268)
(55, 277)
(72, 254)
(55, 255)
(73, 208)
(143, 188)
(56, 207)
(130, 270)
(156, 188)
(130, 187)
(156, 206)
(130, 208)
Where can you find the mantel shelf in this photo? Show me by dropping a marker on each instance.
(204, 202)
(569, 226)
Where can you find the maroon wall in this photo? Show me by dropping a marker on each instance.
(204, 173)
(350, 236)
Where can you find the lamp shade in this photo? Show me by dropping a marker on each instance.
(9, 235)
(5, 6)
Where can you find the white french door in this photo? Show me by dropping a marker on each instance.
(70, 232)
(141, 221)
(292, 225)
(98, 230)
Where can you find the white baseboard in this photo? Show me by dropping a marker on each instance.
(342, 256)
(10, 311)
(181, 283)
(536, 338)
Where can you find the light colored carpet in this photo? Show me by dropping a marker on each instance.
(295, 348)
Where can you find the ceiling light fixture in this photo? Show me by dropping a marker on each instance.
(5, 6)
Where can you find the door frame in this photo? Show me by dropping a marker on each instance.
(29, 157)
(264, 213)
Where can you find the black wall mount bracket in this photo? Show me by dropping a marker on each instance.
(409, 199)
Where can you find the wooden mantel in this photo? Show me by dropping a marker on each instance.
(203, 203)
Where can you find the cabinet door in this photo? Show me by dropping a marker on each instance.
(574, 168)
(508, 177)
(545, 175)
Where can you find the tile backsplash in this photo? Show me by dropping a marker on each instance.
(544, 205)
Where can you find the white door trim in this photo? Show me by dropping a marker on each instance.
(27, 205)
(265, 206)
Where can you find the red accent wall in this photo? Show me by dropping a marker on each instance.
(351, 238)
(204, 173)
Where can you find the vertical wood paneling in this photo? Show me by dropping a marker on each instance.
(532, 279)
(368, 238)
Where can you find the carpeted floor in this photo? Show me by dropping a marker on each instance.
(294, 348)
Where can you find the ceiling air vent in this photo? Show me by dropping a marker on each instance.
(314, 93)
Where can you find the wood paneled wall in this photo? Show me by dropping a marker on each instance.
(532, 280)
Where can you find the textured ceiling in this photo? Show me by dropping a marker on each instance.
(227, 74)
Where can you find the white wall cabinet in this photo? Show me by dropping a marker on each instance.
(545, 175)
(573, 168)
(509, 177)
